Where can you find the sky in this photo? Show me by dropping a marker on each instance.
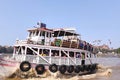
(93, 19)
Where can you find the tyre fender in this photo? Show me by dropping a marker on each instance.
(70, 69)
(62, 69)
(25, 66)
(53, 68)
(77, 69)
(40, 69)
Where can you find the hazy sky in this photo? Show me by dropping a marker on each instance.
(93, 19)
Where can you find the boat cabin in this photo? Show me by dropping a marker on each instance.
(40, 35)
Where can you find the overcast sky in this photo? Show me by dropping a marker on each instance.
(93, 19)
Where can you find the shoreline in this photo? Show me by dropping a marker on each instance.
(108, 55)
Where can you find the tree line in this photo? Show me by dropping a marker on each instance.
(6, 49)
(117, 50)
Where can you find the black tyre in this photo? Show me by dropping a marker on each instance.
(87, 67)
(62, 69)
(94, 66)
(25, 66)
(91, 68)
(53, 68)
(40, 69)
(77, 69)
(82, 68)
(70, 69)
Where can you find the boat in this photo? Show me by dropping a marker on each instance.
(55, 50)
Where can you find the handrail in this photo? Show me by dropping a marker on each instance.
(69, 57)
(39, 55)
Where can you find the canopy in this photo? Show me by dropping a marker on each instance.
(59, 33)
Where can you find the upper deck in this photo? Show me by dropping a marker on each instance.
(62, 45)
(62, 37)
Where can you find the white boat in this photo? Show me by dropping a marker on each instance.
(51, 49)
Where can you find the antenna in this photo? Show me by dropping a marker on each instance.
(38, 24)
(41, 25)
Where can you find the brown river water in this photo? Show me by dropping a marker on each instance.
(114, 64)
(111, 62)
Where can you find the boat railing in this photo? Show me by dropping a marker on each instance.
(52, 60)
(66, 60)
(21, 42)
(19, 57)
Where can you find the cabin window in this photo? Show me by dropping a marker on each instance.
(78, 55)
(50, 35)
(40, 51)
(47, 34)
(43, 33)
(71, 54)
(63, 54)
(46, 52)
(35, 49)
(17, 50)
(29, 51)
(33, 33)
(55, 53)
(40, 33)
(37, 33)
(30, 34)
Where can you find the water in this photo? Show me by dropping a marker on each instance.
(114, 64)
(111, 62)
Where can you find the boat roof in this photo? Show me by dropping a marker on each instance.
(62, 32)
(40, 29)
(56, 32)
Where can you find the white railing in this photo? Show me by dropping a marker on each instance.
(56, 60)
(21, 42)
(47, 59)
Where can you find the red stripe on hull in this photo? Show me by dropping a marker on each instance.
(9, 65)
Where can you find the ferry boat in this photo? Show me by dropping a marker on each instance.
(51, 49)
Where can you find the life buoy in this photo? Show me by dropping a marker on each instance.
(40, 69)
(62, 69)
(53, 68)
(70, 69)
(77, 69)
(25, 66)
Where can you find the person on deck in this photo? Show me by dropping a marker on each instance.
(85, 45)
(81, 45)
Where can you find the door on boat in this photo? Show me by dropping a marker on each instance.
(83, 59)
